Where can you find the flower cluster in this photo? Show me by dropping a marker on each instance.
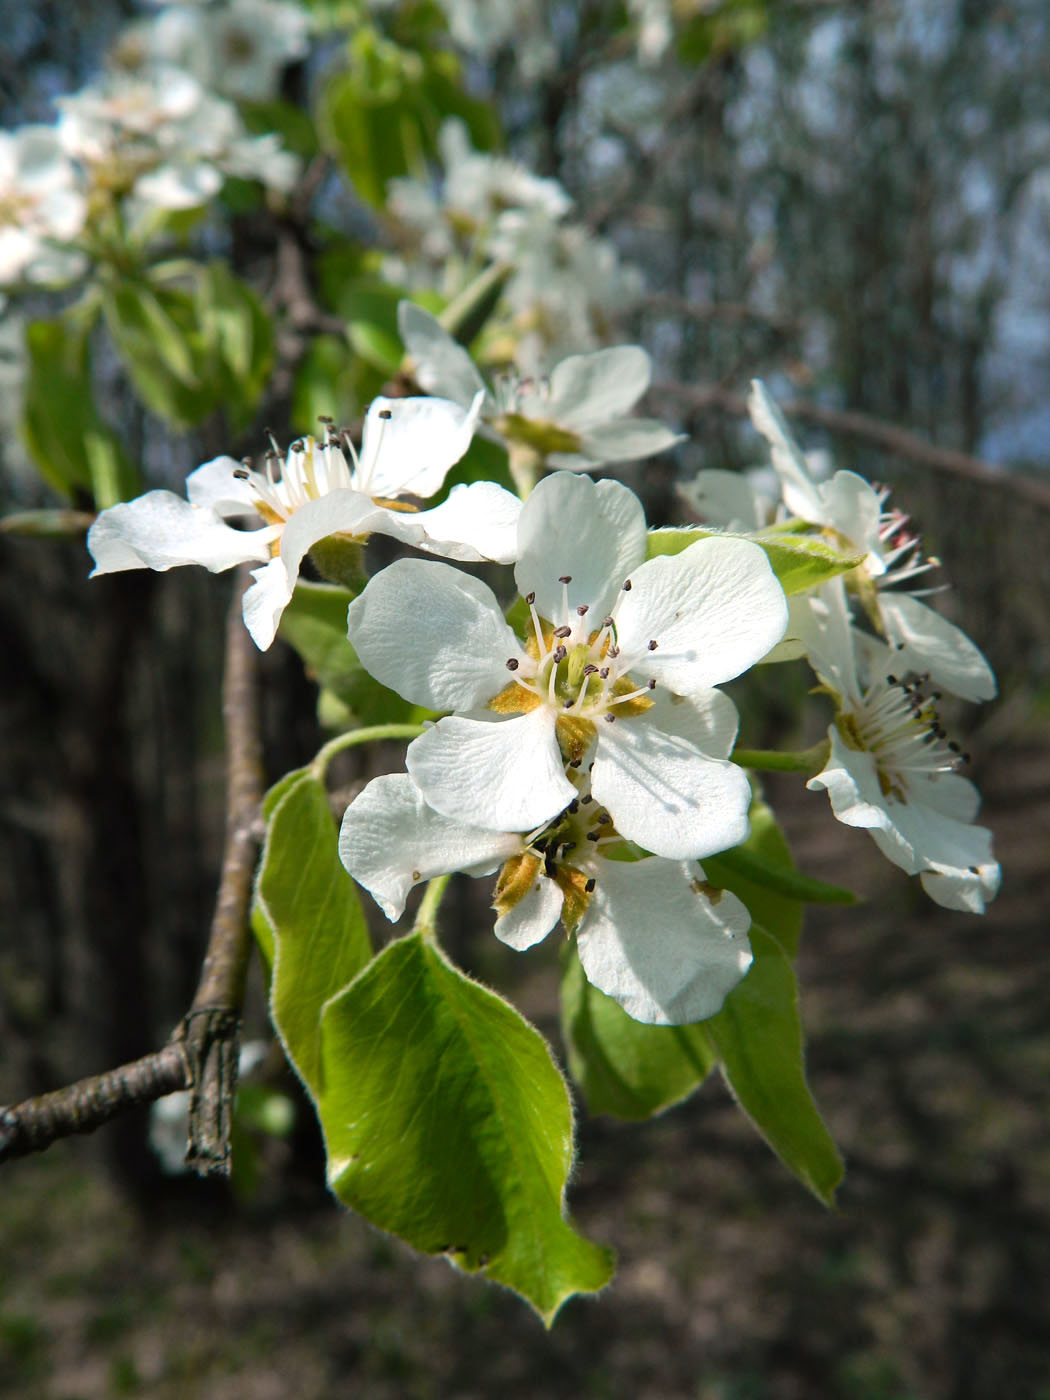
(878, 650)
(564, 284)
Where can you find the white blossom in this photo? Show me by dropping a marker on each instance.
(891, 768)
(159, 139)
(236, 49)
(617, 672)
(652, 933)
(851, 512)
(407, 448)
(41, 208)
(576, 418)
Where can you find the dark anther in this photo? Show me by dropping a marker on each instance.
(567, 704)
(386, 413)
(608, 622)
(565, 578)
(652, 646)
(627, 585)
(604, 673)
(589, 886)
(590, 669)
(585, 799)
(891, 680)
(574, 805)
(652, 685)
(575, 763)
(610, 718)
(954, 746)
(583, 610)
(297, 445)
(593, 836)
(614, 651)
(559, 654)
(603, 819)
(240, 473)
(530, 598)
(512, 663)
(563, 631)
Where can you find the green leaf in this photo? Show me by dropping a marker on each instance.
(623, 1067)
(158, 338)
(314, 623)
(778, 912)
(310, 906)
(758, 1038)
(448, 1124)
(800, 562)
(324, 383)
(760, 869)
(62, 429)
(238, 336)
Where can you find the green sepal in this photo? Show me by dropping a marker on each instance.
(758, 1039)
(624, 1068)
(314, 933)
(448, 1124)
(314, 623)
(800, 562)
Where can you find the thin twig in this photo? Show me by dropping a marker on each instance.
(887, 435)
(202, 1053)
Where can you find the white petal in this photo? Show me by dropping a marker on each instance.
(410, 452)
(801, 495)
(433, 634)
(965, 890)
(656, 942)
(586, 390)
(441, 365)
(713, 611)
(507, 774)
(708, 720)
(215, 485)
(479, 521)
(728, 499)
(929, 642)
(533, 917)
(160, 530)
(851, 781)
(852, 507)
(594, 532)
(663, 791)
(390, 840)
(339, 512)
(627, 440)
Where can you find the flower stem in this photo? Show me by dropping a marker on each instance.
(523, 464)
(774, 761)
(373, 733)
(426, 915)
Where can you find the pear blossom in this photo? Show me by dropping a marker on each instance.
(890, 767)
(159, 138)
(851, 510)
(237, 49)
(408, 446)
(575, 419)
(41, 207)
(667, 970)
(618, 672)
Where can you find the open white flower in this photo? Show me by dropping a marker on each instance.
(41, 207)
(651, 933)
(575, 419)
(617, 671)
(890, 768)
(852, 512)
(407, 448)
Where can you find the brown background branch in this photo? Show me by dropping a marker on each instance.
(202, 1053)
(900, 441)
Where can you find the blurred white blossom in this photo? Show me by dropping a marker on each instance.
(41, 207)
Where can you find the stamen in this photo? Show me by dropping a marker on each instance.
(565, 578)
(241, 474)
(513, 663)
(583, 609)
(589, 886)
(627, 585)
(386, 413)
(652, 646)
